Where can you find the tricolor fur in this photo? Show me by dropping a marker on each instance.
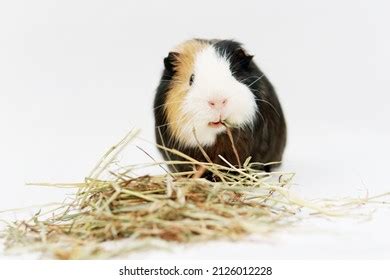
(206, 82)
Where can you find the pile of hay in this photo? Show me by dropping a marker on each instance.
(150, 211)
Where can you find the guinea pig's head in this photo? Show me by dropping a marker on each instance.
(207, 89)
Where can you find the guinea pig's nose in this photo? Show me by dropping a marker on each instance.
(217, 103)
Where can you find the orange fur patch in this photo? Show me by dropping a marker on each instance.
(183, 66)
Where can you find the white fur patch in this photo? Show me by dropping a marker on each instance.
(213, 80)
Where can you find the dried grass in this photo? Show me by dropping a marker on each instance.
(127, 213)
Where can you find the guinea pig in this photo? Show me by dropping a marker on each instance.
(207, 86)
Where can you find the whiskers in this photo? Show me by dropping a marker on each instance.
(180, 120)
(261, 115)
(162, 105)
(270, 104)
(257, 78)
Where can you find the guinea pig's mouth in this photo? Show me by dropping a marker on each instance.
(216, 124)
(220, 123)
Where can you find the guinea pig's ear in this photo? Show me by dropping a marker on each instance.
(242, 57)
(170, 60)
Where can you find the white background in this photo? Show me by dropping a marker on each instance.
(75, 76)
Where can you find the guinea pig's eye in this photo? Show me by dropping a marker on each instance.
(192, 79)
